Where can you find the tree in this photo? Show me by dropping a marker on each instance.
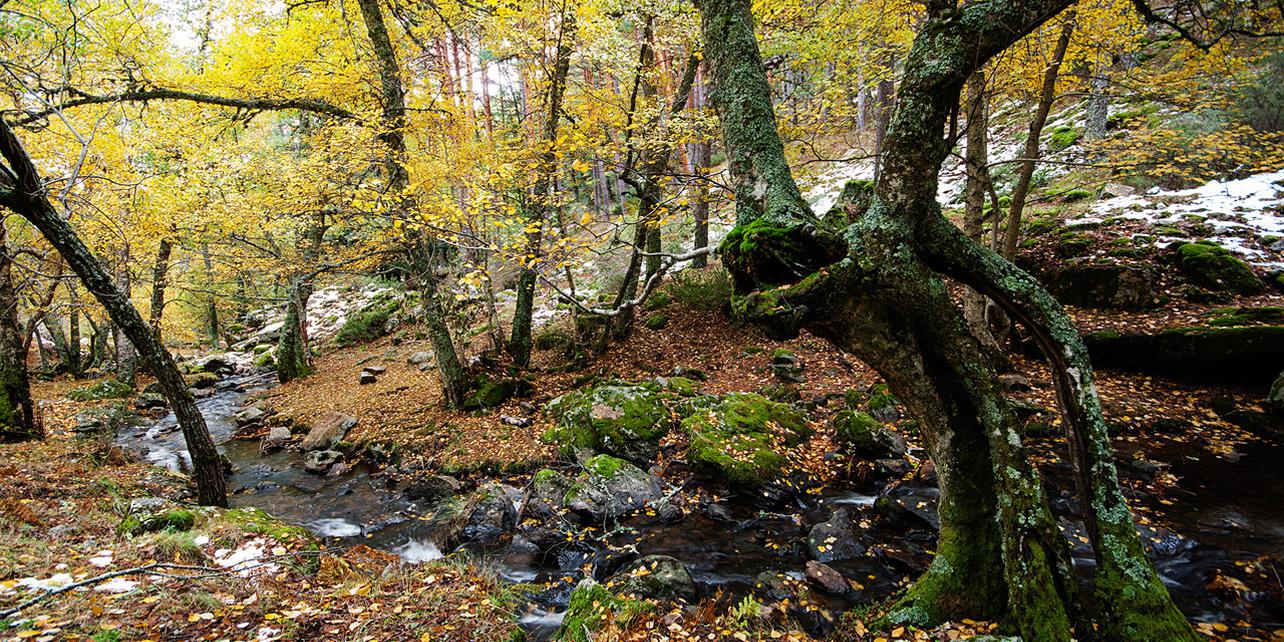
(874, 287)
(23, 192)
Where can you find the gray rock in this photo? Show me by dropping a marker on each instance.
(329, 430)
(548, 494)
(492, 514)
(367, 378)
(431, 488)
(655, 576)
(338, 470)
(249, 416)
(318, 462)
(276, 439)
(613, 488)
(826, 578)
(146, 504)
(375, 370)
(1275, 398)
(835, 539)
(420, 358)
(1114, 190)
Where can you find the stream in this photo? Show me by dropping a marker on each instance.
(726, 549)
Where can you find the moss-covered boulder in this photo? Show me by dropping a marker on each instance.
(867, 437)
(491, 392)
(1275, 397)
(592, 605)
(659, 577)
(200, 380)
(1250, 354)
(741, 439)
(368, 323)
(611, 488)
(172, 520)
(621, 419)
(1214, 267)
(105, 389)
(1103, 285)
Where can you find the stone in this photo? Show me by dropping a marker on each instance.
(835, 538)
(1248, 354)
(318, 462)
(734, 438)
(491, 392)
(249, 416)
(658, 577)
(492, 514)
(329, 430)
(419, 358)
(276, 439)
(621, 419)
(866, 437)
(786, 366)
(719, 513)
(431, 489)
(1115, 190)
(338, 470)
(1092, 284)
(520, 422)
(612, 488)
(375, 370)
(1275, 398)
(1213, 267)
(826, 578)
(1013, 382)
(367, 378)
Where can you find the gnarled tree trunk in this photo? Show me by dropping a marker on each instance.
(17, 419)
(875, 288)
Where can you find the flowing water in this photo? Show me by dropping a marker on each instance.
(1229, 513)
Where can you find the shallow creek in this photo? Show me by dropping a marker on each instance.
(1221, 520)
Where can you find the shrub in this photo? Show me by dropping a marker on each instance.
(709, 288)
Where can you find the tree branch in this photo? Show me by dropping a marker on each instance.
(160, 93)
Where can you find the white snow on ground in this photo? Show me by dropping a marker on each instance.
(247, 559)
(117, 585)
(103, 559)
(1246, 207)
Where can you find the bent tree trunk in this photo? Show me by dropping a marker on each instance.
(875, 288)
(28, 199)
(17, 421)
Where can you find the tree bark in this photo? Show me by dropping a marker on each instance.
(126, 357)
(1047, 95)
(160, 276)
(17, 419)
(519, 344)
(28, 199)
(876, 289)
(293, 352)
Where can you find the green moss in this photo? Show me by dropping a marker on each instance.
(625, 420)
(1077, 195)
(866, 436)
(491, 392)
(201, 380)
(591, 605)
(681, 386)
(760, 253)
(173, 520)
(1041, 226)
(105, 389)
(1266, 315)
(1214, 267)
(253, 520)
(1062, 137)
(368, 323)
(604, 466)
(736, 439)
(657, 321)
(264, 359)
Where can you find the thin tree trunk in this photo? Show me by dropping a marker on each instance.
(885, 96)
(73, 357)
(1030, 154)
(17, 419)
(519, 344)
(126, 358)
(160, 275)
(29, 200)
(976, 159)
(211, 304)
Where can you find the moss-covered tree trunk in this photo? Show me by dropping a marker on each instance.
(293, 352)
(875, 288)
(72, 356)
(17, 420)
(519, 344)
(423, 257)
(27, 197)
(126, 356)
(160, 280)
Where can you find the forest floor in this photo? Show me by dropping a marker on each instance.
(67, 502)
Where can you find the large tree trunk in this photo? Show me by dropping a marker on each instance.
(28, 198)
(126, 357)
(72, 356)
(17, 420)
(519, 343)
(293, 352)
(876, 290)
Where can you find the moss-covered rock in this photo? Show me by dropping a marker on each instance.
(200, 380)
(611, 488)
(740, 439)
(659, 577)
(491, 392)
(368, 323)
(656, 321)
(1103, 285)
(173, 520)
(1219, 354)
(867, 437)
(591, 605)
(1213, 267)
(622, 419)
(105, 389)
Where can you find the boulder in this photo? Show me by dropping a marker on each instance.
(367, 378)
(1275, 398)
(835, 538)
(548, 494)
(419, 358)
(739, 439)
(492, 514)
(1212, 266)
(1115, 190)
(375, 370)
(329, 430)
(318, 462)
(276, 439)
(1249, 354)
(431, 488)
(867, 437)
(201, 380)
(490, 392)
(786, 366)
(826, 578)
(610, 489)
(592, 605)
(249, 417)
(1103, 285)
(655, 576)
(621, 419)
